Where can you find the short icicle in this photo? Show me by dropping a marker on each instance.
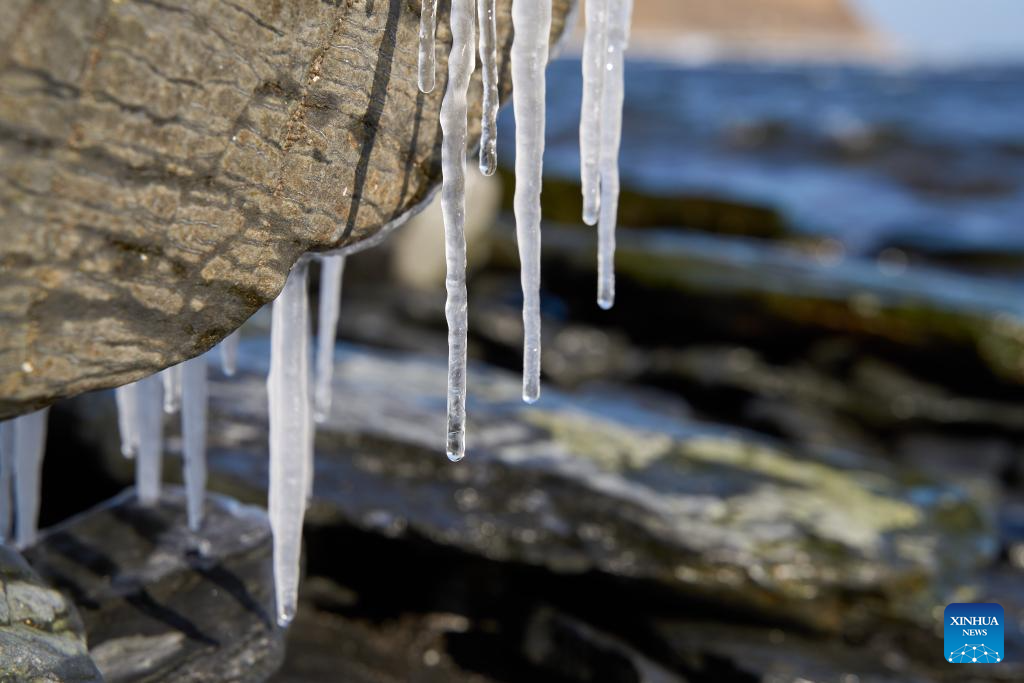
(172, 388)
(487, 20)
(6, 479)
(619, 17)
(150, 426)
(126, 398)
(229, 353)
(291, 435)
(531, 21)
(453, 208)
(29, 448)
(428, 34)
(194, 400)
(332, 268)
(595, 47)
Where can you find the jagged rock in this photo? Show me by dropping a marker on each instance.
(41, 635)
(163, 165)
(162, 604)
(604, 483)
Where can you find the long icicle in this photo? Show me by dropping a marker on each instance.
(332, 268)
(172, 388)
(531, 21)
(6, 479)
(127, 418)
(29, 448)
(194, 400)
(453, 208)
(595, 46)
(290, 435)
(619, 17)
(229, 353)
(487, 20)
(428, 34)
(150, 424)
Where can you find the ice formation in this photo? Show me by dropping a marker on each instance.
(531, 21)
(488, 23)
(454, 126)
(229, 353)
(617, 22)
(291, 435)
(331, 271)
(172, 388)
(22, 445)
(141, 405)
(127, 419)
(428, 32)
(149, 424)
(194, 394)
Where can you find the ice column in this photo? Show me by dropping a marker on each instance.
(531, 21)
(331, 270)
(453, 208)
(620, 14)
(29, 447)
(149, 423)
(428, 31)
(172, 388)
(595, 42)
(194, 400)
(6, 479)
(290, 435)
(127, 418)
(229, 353)
(487, 21)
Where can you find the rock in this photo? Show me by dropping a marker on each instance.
(160, 603)
(602, 483)
(163, 167)
(41, 634)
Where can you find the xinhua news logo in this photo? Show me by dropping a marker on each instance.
(974, 633)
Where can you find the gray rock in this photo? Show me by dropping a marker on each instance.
(41, 635)
(160, 603)
(163, 165)
(581, 483)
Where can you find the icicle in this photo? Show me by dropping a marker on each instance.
(619, 17)
(150, 424)
(29, 447)
(172, 388)
(531, 21)
(6, 479)
(487, 19)
(127, 418)
(453, 207)
(595, 47)
(291, 440)
(428, 31)
(193, 435)
(229, 353)
(331, 270)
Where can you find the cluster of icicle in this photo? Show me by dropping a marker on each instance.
(607, 33)
(292, 405)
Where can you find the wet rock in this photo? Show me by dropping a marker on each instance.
(161, 603)
(602, 483)
(41, 634)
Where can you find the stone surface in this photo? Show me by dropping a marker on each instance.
(606, 483)
(160, 603)
(163, 165)
(41, 635)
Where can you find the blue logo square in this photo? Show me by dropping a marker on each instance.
(974, 633)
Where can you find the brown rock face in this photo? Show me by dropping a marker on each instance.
(163, 165)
